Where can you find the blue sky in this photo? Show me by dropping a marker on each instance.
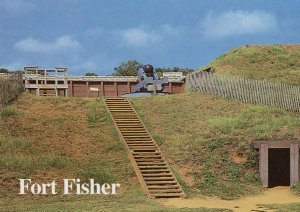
(97, 35)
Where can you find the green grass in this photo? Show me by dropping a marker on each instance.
(97, 114)
(296, 188)
(9, 111)
(275, 63)
(295, 207)
(99, 174)
(15, 144)
(34, 163)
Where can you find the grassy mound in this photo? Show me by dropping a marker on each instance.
(276, 63)
(209, 141)
(56, 138)
(48, 138)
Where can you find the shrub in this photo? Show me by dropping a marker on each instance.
(10, 88)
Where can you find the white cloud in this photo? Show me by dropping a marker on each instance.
(233, 23)
(62, 43)
(16, 6)
(139, 36)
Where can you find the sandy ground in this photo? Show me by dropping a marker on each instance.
(277, 195)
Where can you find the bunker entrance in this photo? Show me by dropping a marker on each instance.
(278, 162)
(279, 167)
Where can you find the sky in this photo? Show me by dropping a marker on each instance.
(98, 35)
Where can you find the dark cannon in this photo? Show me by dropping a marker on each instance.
(149, 83)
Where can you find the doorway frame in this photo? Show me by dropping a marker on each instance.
(264, 147)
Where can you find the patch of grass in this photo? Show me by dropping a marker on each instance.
(34, 163)
(18, 162)
(114, 147)
(296, 188)
(293, 207)
(276, 63)
(15, 144)
(97, 114)
(93, 116)
(218, 142)
(55, 161)
(99, 174)
(9, 111)
(261, 121)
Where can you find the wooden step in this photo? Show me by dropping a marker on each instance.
(135, 141)
(123, 127)
(155, 187)
(159, 178)
(168, 195)
(151, 163)
(136, 136)
(153, 167)
(139, 142)
(147, 160)
(146, 153)
(144, 148)
(147, 156)
(136, 145)
(161, 182)
(157, 191)
(154, 170)
(157, 175)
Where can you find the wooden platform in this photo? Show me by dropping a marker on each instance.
(152, 170)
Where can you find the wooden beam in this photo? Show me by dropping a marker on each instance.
(263, 164)
(116, 88)
(71, 89)
(294, 164)
(276, 144)
(87, 89)
(102, 88)
(129, 88)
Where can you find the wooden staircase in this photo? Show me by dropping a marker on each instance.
(152, 170)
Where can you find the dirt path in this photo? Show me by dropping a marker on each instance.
(277, 195)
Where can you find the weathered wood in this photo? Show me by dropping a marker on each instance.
(150, 166)
(263, 164)
(294, 163)
(251, 91)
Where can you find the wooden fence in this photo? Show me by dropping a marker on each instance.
(11, 85)
(250, 91)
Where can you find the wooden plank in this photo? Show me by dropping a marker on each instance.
(263, 164)
(294, 164)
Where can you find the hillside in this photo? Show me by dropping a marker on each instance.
(209, 140)
(277, 63)
(49, 138)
